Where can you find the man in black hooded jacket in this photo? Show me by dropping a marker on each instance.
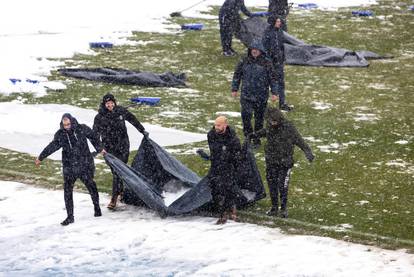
(273, 41)
(229, 19)
(279, 8)
(256, 73)
(225, 157)
(282, 137)
(110, 126)
(77, 160)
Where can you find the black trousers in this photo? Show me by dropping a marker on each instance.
(228, 27)
(69, 181)
(223, 192)
(248, 109)
(117, 184)
(278, 182)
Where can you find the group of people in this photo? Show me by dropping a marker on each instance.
(225, 155)
(264, 65)
(108, 135)
(260, 70)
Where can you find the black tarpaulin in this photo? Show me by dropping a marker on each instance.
(299, 53)
(126, 77)
(154, 169)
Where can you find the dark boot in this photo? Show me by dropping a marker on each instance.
(284, 213)
(233, 214)
(222, 219)
(272, 212)
(97, 211)
(112, 204)
(286, 107)
(228, 53)
(68, 220)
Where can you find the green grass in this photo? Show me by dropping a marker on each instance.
(358, 185)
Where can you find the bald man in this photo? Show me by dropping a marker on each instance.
(225, 156)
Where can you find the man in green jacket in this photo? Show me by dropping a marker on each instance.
(282, 137)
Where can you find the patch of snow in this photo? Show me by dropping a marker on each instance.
(29, 128)
(229, 114)
(401, 142)
(365, 117)
(321, 105)
(146, 245)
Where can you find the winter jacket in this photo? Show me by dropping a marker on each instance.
(273, 42)
(230, 10)
(279, 7)
(76, 157)
(256, 76)
(225, 153)
(281, 140)
(111, 128)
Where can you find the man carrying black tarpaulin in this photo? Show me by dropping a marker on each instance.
(77, 160)
(273, 41)
(110, 126)
(225, 156)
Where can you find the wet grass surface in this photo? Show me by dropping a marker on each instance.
(358, 121)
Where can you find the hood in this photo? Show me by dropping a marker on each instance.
(274, 114)
(73, 121)
(107, 97)
(256, 44)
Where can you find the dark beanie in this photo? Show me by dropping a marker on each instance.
(108, 97)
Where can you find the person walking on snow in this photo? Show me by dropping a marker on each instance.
(256, 74)
(225, 157)
(281, 136)
(77, 160)
(273, 42)
(110, 126)
(229, 19)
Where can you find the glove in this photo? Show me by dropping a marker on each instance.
(203, 154)
(145, 133)
(309, 156)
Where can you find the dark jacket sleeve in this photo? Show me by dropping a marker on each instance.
(97, 126)
(299, 141)
(237, 152)
(238, 74)
(244, 9)
(93, 137)
(133, 120)
(52, 147)
(272, 75)
(266, 41)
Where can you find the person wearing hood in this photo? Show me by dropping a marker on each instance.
(273, 41)
(77, 160)
(225, 157)
(281, 136)
(110, 126)
(256, 74)
(229, 19)
(279, 8)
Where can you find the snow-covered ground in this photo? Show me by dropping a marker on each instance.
(29, 128)
(135, 242)
(32, 32)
